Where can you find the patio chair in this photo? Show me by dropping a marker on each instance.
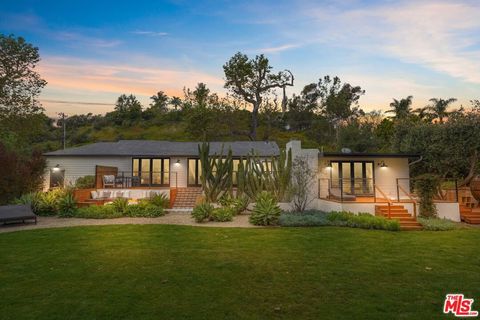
(109, 181)
(337, 194)
(17, 213)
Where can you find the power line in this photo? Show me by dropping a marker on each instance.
(78, 102)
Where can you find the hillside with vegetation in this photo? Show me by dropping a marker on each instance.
(326, 114)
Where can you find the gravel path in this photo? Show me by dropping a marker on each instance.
(240, 221)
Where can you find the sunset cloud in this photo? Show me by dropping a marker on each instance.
(90, 76)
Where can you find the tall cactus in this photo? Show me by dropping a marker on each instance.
(217, 172)
(255, 176)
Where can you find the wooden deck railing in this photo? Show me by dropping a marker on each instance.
(414, 202)
(386, 198)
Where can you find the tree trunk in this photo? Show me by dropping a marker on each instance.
(472, 171)
(284, 100)
(253, 129)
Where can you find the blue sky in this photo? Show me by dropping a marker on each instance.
(92, 51)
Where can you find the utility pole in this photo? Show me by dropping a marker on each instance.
(63, 115)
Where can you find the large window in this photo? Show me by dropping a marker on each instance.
(194, 172)
(354, 177)
(152, 171)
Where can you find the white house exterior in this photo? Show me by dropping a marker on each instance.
(159, 164)
(358, 182)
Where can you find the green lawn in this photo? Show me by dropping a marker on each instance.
(165, 272)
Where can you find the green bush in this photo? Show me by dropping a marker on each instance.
(307, 218)
(266, 211)
(134, 210)
(160, 200)
(98, 212)
(222, 214)
(153, 211)
(67, 206)
(435, 224)
(202, 212)
(47, 204)
(120, 204)
(226, 200)
(427, 186)
(86, 182)
(31, 199)
(362, 220)
(240, 204)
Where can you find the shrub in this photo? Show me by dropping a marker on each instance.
(160, 200)
(86, 182)
(266, 211)
(222, 214)
(226, 200)
(67, 206)
(202, 212)
(152, 211)
(134, 210)
(308, 218)
(47, 202)
(239, 205)
(362, 220)
(98, 212)
(427, 185)
(31, 199)
(20, 174)
(435, 224)
(120, 204)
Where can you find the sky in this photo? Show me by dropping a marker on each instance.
(93, 51)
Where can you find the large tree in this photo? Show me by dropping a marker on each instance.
(401, 108)
(339, 101)
(439, 107)
(252, 80)
(159, 102)
(20, 84)
(127, 109)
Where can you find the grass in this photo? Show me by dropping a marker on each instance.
(180, 272)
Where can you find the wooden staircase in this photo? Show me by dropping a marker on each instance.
(398, 212)
(186, 198)
(469, 215)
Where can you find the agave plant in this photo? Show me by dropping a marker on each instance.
(67, 206)
(202, 212)
(266, 211)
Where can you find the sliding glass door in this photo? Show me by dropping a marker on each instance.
(194, 173)
(151, 171)
(354, 177)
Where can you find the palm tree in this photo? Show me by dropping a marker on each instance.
(422, 113)
(402, 108)
(439, 107)
(176, 102)
(159, 102)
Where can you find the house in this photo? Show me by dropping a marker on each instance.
(140, 167)
(356, 182)
(367, 182)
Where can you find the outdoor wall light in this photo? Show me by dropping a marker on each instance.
(177, 163)
(56, 168)
(382, 164)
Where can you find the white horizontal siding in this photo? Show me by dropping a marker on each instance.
(76, 167)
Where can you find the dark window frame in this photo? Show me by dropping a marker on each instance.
(352, 173)
(162, 171)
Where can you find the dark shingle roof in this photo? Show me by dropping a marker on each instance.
(147, 148)
(369, 154)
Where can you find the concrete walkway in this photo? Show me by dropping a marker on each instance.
(185, 219)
